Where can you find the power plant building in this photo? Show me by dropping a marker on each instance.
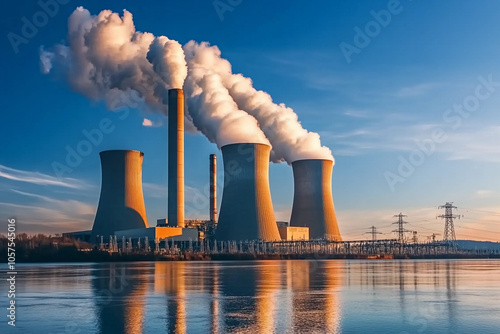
(246, 211)
(160, 233)
(313, 199)
(293, 233)
(121, 203)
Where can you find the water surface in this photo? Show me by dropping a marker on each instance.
(297, 296)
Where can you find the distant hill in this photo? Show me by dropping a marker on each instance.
(481, 245)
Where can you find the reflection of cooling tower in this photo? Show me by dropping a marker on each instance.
(246, 211)
(313, 200)
(176, 157)
(121, 205)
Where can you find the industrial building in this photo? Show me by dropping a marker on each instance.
(121, 203)
(121, 211)
(313, 199)
(159, 233)
(293, 233)
(246, 211)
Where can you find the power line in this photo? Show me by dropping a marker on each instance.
(480, 230)
(485, 211)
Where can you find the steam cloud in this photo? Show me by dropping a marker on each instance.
(106, 57)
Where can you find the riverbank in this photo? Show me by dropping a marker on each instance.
(103, 256)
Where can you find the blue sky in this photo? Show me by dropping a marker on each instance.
(372, 109)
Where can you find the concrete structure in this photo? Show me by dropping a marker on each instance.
(121, 204)
(293, 233)
(160, 233)
(313, 200)
(79, 235)
(162, 222)
(282, 224)
(213, 188)
(246, 211)
(176, 157)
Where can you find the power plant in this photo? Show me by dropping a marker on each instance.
(313, 199)
(222, 105)
(121, 204)
(175, 158)
(246, 211)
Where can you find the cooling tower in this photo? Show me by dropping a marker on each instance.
(213, 188)
(121, 205)
(313, 200)
(246, 211)
(175, 213)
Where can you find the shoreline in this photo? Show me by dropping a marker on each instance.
(99, 256)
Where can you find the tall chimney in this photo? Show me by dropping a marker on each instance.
(213, 188)
(313, 199)
(175, 158)
(246, 211)
(121, 203)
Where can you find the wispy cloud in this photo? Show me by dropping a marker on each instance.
(473, 144)
(484, 193)
(49, 215)
(416, 90)
(154, 190)
(39, 178)
(359, 113)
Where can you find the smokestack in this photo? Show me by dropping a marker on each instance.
(213, 188)
(121, 204)
(246, 211)
(313, 200)
(175, 158)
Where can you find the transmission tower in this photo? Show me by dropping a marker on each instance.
(433, 237)
(373, 232)
(400, 230)
(449, 227)
(415, 237)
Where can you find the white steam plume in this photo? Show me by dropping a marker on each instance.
(106, 57)
(211, 107)
(280, 124)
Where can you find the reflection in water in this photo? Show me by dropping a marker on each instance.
(315, 287)
(450, 295)
(267, 286)
(119, 291)
(279, 296)
(214, 304)
(238, 288)
(333, 282)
